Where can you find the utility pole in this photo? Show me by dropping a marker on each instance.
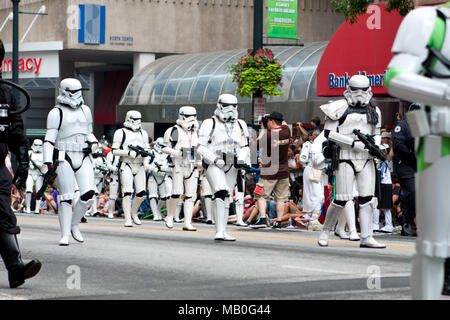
(15, 42)
(257, 44)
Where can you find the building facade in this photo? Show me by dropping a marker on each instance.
(105, 42)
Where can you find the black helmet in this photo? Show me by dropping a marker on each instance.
(414, 106)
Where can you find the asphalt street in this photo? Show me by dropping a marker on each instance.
(153, 262)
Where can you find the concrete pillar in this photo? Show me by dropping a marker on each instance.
(150, 128)
(140, 60)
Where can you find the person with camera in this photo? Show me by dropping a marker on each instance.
(274, 168)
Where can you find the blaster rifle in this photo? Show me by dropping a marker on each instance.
(369, 144)
(142, 152)
(241, 165)
(49, 177)
(102, 169)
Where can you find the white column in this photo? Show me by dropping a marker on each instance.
(141, 60)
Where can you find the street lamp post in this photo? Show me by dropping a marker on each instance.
(257, 44)
(15, 42)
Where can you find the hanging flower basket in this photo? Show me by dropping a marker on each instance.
(257, 73)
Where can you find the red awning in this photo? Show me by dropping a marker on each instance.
(113, 88)
(363, 47)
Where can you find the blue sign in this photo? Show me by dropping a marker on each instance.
(92, 24)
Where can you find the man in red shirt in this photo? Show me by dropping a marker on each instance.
(274, 168)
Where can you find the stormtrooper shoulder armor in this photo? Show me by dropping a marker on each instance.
(54, 118)
(335, 110)
(417, 27)
(205, 131)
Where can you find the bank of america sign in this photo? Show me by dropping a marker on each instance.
(92, 24)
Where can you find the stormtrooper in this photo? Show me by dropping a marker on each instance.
(100, 170)
(35, 176)
(224, 147)
(159, 185)
(419, 72)
(68, 145)
(181, 142)
(112, 163)
(355, 162)
(131, 145)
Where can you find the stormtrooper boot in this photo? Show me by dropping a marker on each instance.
(376, 220)
(65, 222)
(178, 210)
(366, 223)
(126, 205)
(111, 208)
(188, 208)
(330, 221)
(38, 206)
(28, 201)
(240, 214)
(208, 207)
(171, 208)
(78, 212)
(427, 277)
(137, 201)
(350, 217)
(154, 206)
(314, 224)
(18, 272)
(340, 227)
(221, 221)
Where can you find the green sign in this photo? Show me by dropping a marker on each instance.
(282, 19)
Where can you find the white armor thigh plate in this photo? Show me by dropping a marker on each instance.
(85, 177)
(206, 188)
(217, 179)
(224, 141)
(152, 187)
(29, 184)
(345, 179)
(113, 186)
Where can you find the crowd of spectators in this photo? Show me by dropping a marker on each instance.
(281, 203)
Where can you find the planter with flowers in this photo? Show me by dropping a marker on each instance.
(257, 74)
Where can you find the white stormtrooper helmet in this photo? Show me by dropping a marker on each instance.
(226, 109)
(133, 120)
(37, 146)
(70, 93)
(159, 144)
(187, 118)
(358, 91)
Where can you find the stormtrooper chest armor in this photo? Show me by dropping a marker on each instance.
(135, 138)
(74, 128)
(226, 137)
(355, 120)
(186, 139)
(36, 159)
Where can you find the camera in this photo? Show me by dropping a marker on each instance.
(263, 121)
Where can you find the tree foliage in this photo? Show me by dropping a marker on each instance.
(353, 8)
